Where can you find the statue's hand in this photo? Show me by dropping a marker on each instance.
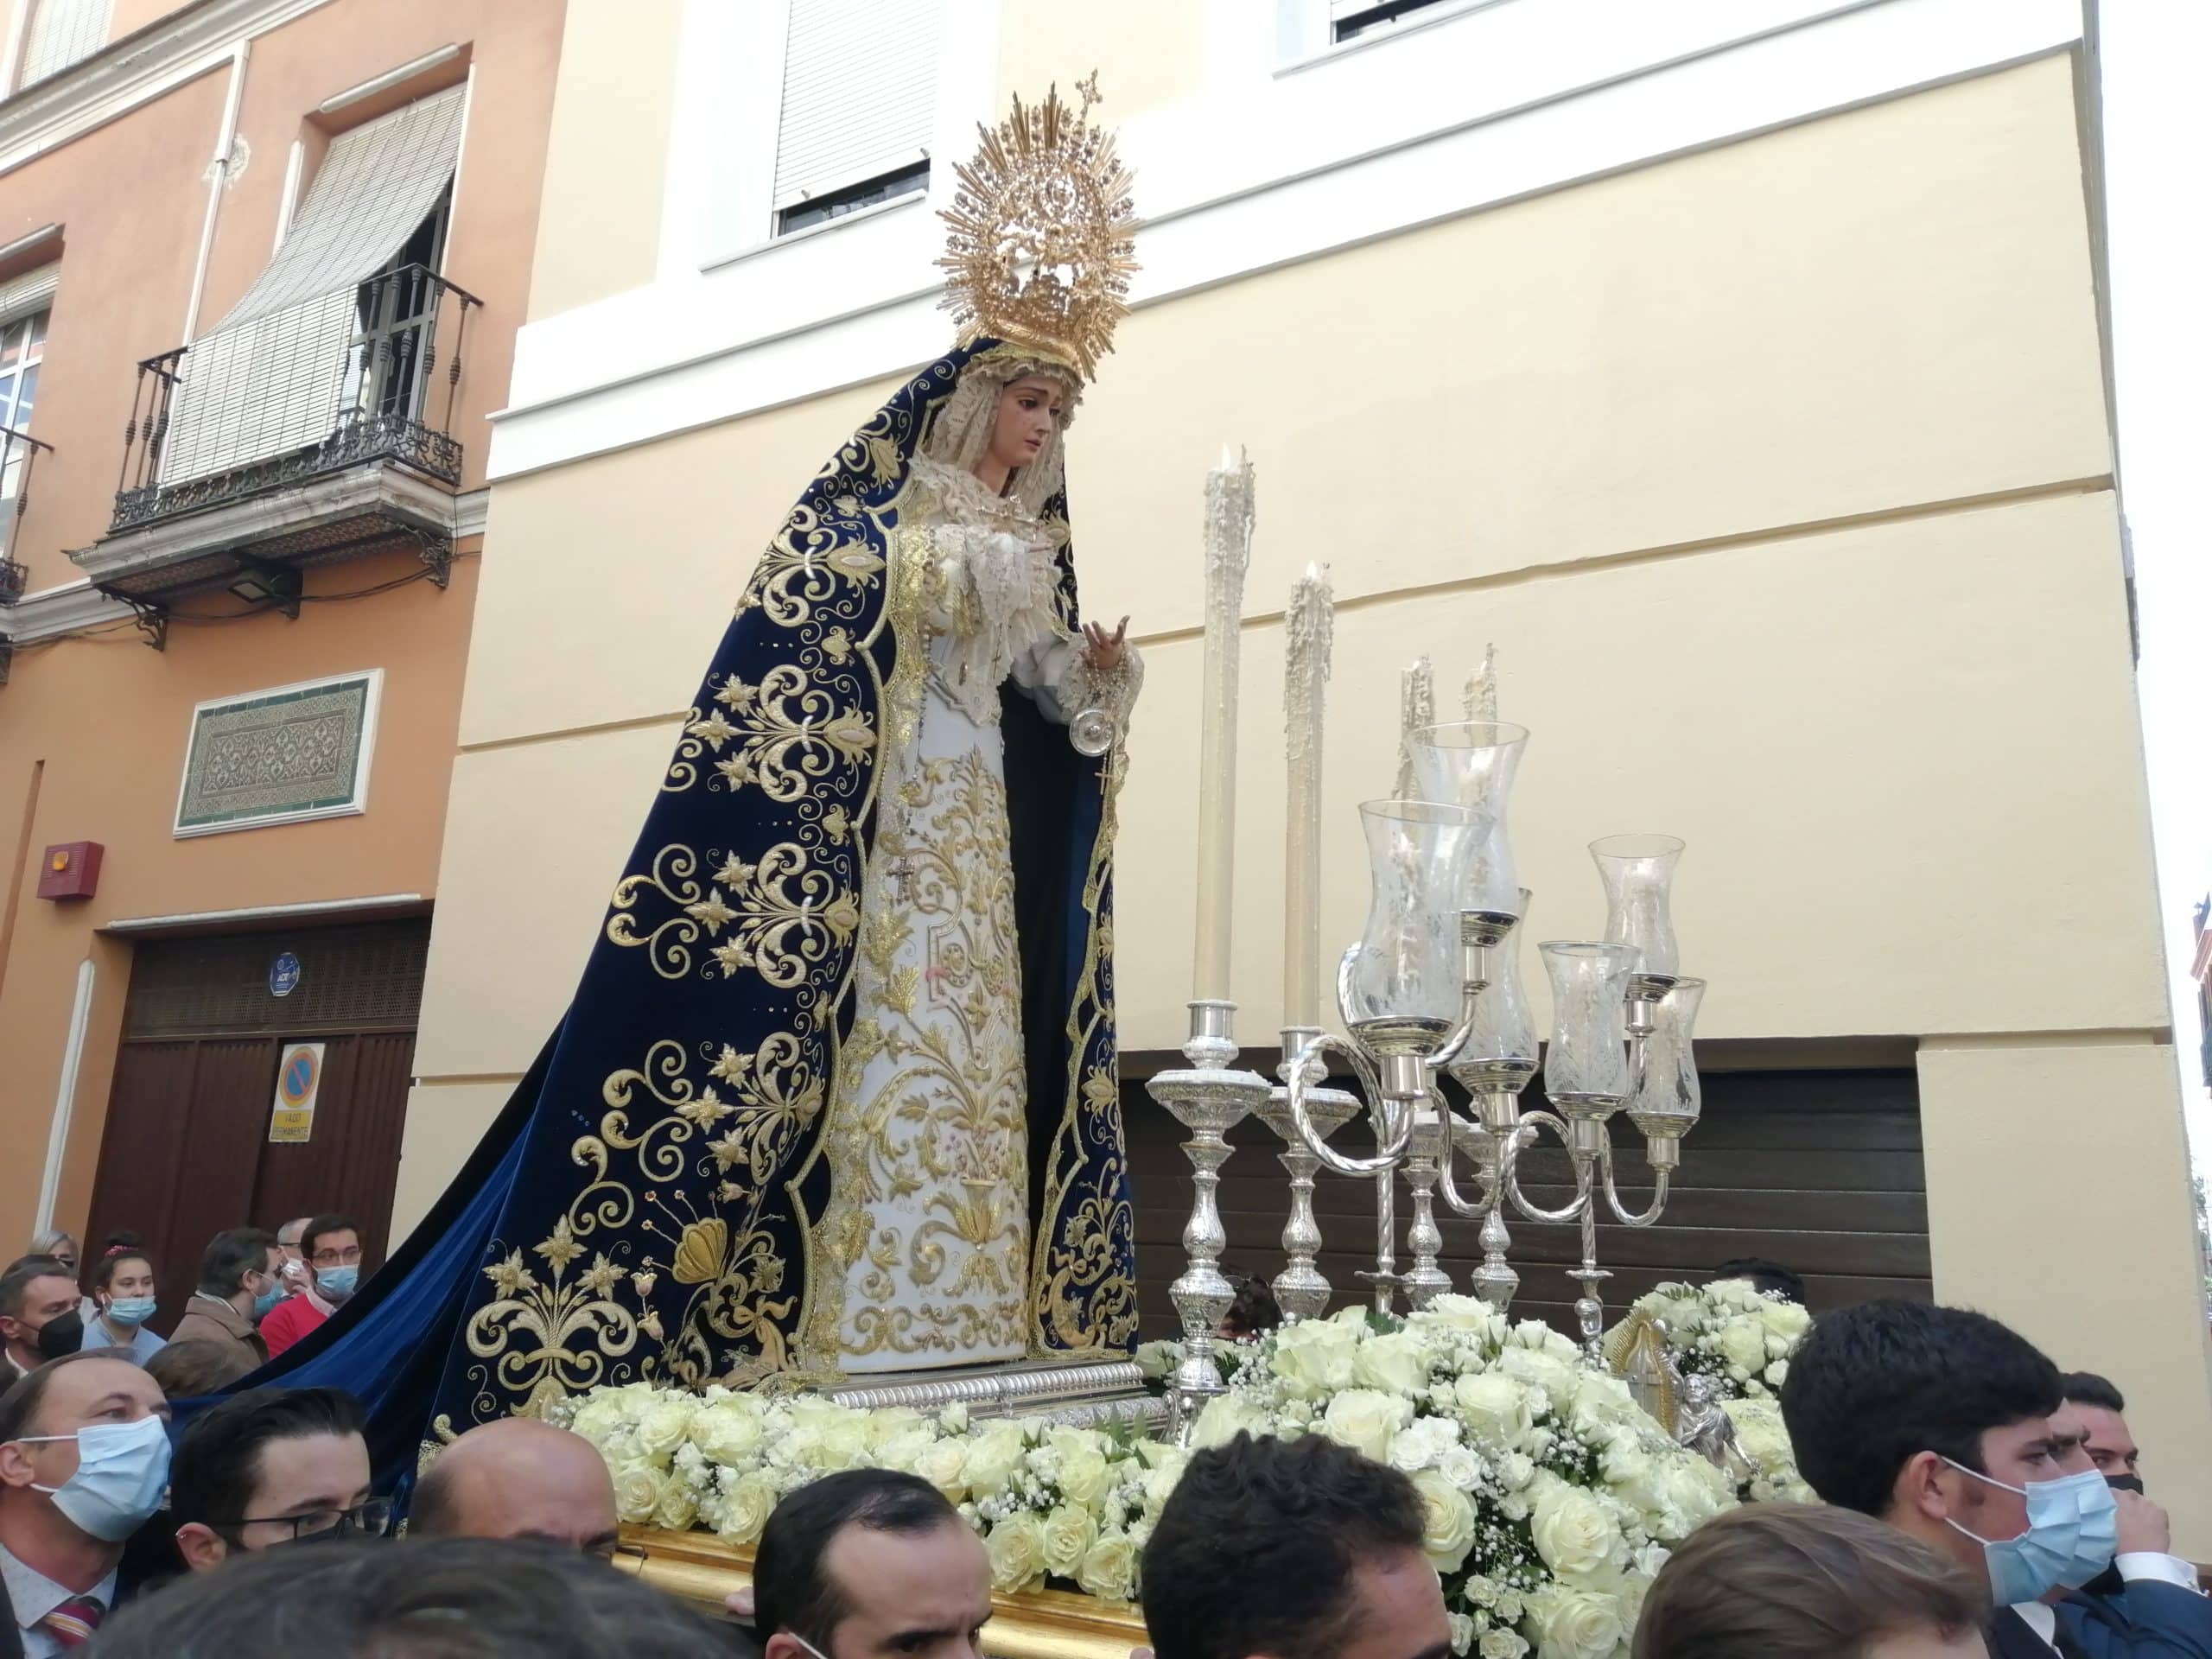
(1102, 650)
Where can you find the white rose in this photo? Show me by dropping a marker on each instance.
(597, 1418)
(639, 1490)
(1601, 1401)
(1559, 1378)
(729, 1434)
(1423, 1442)
(1501, 1644)
(1366, 1421)
(1315, 1358)
(890, 1423)
(1786, 1320)
(1742, 1343)
(1463, 1632)
(1514, 1471)
(1154, 1360)
(1067, 1537)
(904, 1452)
(1158, 1483)
(1574, 1624)
(665, 1426)
(1225, 1417)
(1448, 1522)
(1495, 1406)
(1016, 1548)
(992, 1456)
(1461, 1465)
(1085, 1473)
(942, 1463)
(1394, 1364)
(745, 1509)
(679, 1507)
(1572, 1531)
(1469, 1314)
(1109, 1570)
(1777, 1374)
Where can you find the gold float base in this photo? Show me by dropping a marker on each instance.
(698, 1568)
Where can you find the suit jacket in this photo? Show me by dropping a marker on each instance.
(2010, 1638)
(11, 1639)
(2148, 1619)
(207, 1320)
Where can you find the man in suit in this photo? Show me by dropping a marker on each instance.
(240, 1283)
(84, 1457)
(1938, 1421)
(2148, 1601)
(38, 1315)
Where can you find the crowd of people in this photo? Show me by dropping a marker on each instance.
(1976, 1501)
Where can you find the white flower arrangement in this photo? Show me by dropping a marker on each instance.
(1742, 1337)
(1549, 1498)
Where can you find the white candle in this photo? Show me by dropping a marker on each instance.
(1416, 708)
(1482, 688)
(1307, 627)
(1228, 550)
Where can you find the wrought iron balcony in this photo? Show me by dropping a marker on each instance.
(19, 453)
(310, 435)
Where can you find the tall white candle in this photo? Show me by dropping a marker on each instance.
(1308, 626)
(1416, 708)
(1482, 688)
(1228, 551)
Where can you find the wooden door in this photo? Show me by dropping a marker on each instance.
(185, 1153)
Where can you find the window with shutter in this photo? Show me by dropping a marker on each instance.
(859, 81)
(274, 375)
(1350, 19)
(62, 31)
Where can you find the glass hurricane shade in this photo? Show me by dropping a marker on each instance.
(1668, 1100)
(1401, 982)
(1504, 1032)
(1471, 763)
(1638, 871)
(1586, 1065)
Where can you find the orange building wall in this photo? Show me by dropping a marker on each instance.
(101, 721)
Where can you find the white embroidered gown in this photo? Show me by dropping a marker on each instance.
(928, 1130)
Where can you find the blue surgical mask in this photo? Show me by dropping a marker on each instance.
(2073, 1529)
(337, 1282)
(131, 1310)
(266, 1304)
(122, 1469)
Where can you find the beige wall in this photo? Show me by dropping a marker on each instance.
(2058, 1202)
(1780, 475)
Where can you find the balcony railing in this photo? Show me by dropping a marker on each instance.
(372, 383)
(19, 452)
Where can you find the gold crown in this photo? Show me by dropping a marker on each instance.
(1042, 244)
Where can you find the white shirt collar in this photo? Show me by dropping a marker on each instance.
(33, 1595)
(2042, 1620)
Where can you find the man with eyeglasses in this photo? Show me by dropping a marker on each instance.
(330, 1247)
(271, 1466)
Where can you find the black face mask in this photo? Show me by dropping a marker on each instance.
(63, 1336)
(2125, 1484)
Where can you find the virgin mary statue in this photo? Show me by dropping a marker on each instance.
(836, 1093)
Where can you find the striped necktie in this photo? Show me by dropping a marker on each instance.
(73, 1623)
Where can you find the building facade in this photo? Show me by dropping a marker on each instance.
(1739, 369)
(261, 266)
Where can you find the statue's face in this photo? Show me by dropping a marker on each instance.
(1028, 414)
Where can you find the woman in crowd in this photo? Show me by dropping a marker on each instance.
(122, 1288)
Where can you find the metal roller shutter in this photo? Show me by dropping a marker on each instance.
(859, 93)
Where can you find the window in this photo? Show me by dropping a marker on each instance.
(22, 343)
(61, 32)
(1352, 20)
(858, 98)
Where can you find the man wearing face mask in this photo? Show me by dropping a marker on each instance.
(331, 1247)
(84, 1457)
(2147, 1602)
(39, 1320)
(1937, 1421)
(239, 1287)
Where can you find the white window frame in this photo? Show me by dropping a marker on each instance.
(721, 205)
(357, 801)
(1304, 35)
(11, 472)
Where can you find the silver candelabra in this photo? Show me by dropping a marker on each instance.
(1432, 989)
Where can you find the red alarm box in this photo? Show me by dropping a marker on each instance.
(71, 869)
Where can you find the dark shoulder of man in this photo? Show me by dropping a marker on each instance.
(739, 1639)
